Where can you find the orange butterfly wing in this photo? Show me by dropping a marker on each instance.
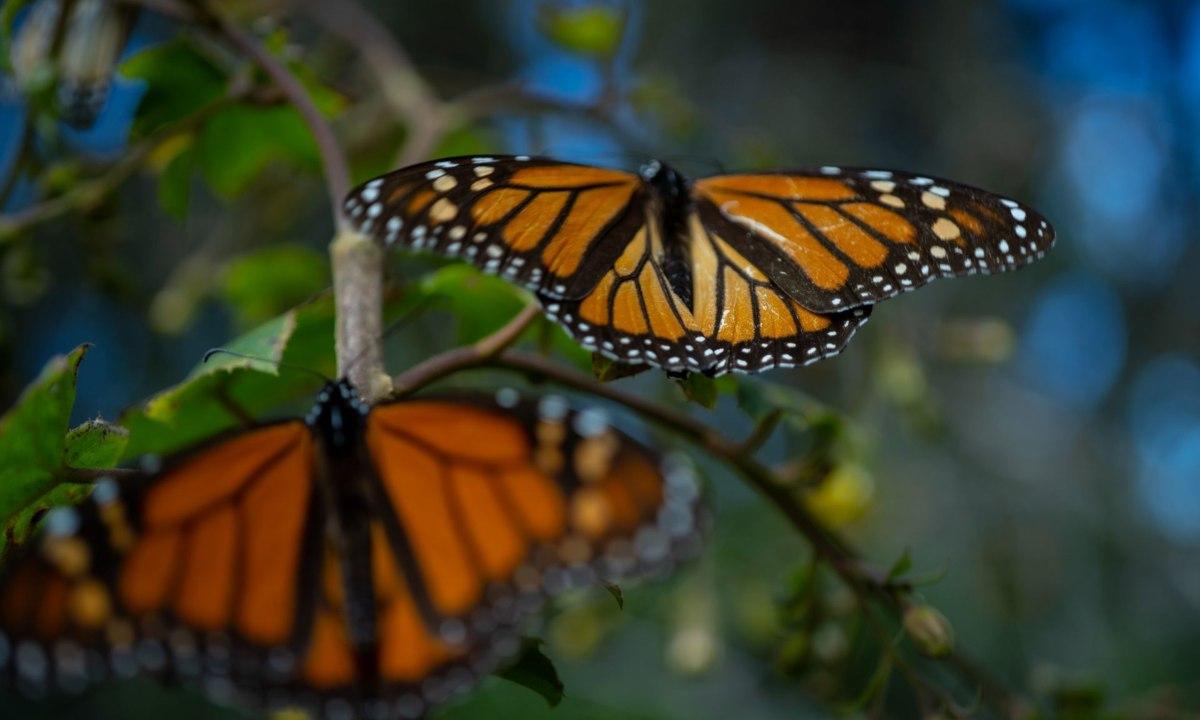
(781, 268)
(841, 238)
(503, 505)
(738, 319)
(224, 569)
(180, 572)
(550, 226)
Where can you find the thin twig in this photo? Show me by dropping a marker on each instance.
(357, 262)
(20, 158)
(404, 89)
(89, 193)
(474, 355)
(427, 117)
(761, 433)
(337, 172)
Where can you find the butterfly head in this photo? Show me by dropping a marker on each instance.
(665, 179)
(339, 414)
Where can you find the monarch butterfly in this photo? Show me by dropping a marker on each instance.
(362, 562)
(741, 272)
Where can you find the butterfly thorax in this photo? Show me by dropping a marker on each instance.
(338, 418)
(673, 196)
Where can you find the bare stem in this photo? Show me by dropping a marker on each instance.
(358, 292)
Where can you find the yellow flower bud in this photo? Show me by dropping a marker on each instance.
(929, 630)
(842, 497)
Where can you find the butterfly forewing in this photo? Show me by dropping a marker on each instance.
(546, 225)
(840, 238)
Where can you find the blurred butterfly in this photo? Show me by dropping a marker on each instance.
(362, 562)
(94, 32)
(742, 272)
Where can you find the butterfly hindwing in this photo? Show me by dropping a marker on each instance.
(841, 238)
(549, 226)
(737, 319)
(520, 499)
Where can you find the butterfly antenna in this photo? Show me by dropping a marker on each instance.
(279, 363)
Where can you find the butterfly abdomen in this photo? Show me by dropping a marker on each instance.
(673, 197)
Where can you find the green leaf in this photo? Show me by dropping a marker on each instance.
(214, 394)
(33, 439)
(615, 590)
(264, 283)
(95, 444)
(279, 43)
(592, 29)
(605, 369)
(932, 577)
(532, 669)
(902, 565)
(239, 141)
(700, 389)
(179, 81)
(290, 352)
(327, 100)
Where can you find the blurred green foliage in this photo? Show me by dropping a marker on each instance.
(262, 284)
(592, 29)
(180, 81)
